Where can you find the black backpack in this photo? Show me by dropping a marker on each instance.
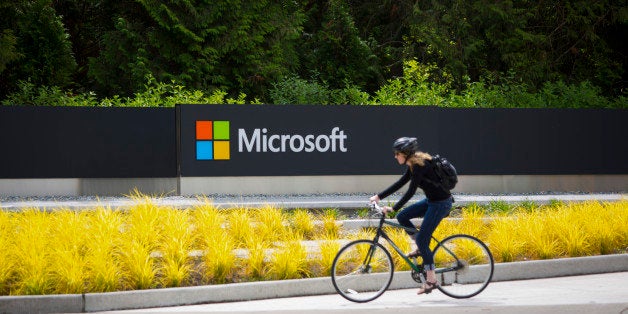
(445, 174)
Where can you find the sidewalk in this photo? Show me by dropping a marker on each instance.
(113, 301)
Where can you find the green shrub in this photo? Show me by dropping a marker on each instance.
(416, 87)
(296, 91)
(30, 95)
(155, 94)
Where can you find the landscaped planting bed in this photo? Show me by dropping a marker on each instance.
(148, 246)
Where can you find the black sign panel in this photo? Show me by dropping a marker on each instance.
(82, 142)
(356, 140)
(277, 140)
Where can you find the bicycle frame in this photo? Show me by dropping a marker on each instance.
(381, 233)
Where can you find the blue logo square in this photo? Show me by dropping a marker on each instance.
(204, 150)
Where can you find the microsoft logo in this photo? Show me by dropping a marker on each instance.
(212, 140)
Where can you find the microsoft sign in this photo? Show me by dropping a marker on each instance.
(260, 141)
(279, 140)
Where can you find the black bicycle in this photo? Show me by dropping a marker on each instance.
(363, 269)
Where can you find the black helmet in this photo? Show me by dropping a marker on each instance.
(406, 145)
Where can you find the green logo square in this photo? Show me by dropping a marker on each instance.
(221, 130)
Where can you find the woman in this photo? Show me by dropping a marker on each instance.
(433, 208)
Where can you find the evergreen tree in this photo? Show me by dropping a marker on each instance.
(384, 26)
(238, 45)
(34, 46)
(333, 51)
(536, 41)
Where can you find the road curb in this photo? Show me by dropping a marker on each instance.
(93, 302)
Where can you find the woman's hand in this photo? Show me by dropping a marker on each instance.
(387, 209)
(374, 199)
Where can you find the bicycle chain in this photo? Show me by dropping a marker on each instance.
(418, 276)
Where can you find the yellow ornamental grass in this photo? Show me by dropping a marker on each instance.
(330, 224)
(362, 233)
(147, 246)
(217, 245)
(289, 260)
(473, 221)
(619, 211)
(175, 245)
(302, 222)
(7, 261)
(141, 232)
(607, 226)
(505, 239)
(570, 229)
(240, 226)
(219, 259)
(327, 250)
(104, 272)
(446, 228)
(256, 265)
(32, 252)
(541, 240)
(404, 242)
(270, 223)
(67, 251)
(208, 221)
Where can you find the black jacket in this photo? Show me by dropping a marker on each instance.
(416, 176)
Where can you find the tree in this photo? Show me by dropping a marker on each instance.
(333, 51)
(35, 46)
(537, 41)
(383, 25)
(238, 45)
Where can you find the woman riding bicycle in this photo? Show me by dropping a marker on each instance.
(433, 208)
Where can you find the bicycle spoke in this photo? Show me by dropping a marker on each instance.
(359, 282)
(464, 266)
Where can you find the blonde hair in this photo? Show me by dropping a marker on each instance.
(419, 158)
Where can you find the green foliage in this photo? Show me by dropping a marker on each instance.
(294, 90)
(539, 41)
(453, 53)
(34, 45)
(29, 94)
(551, 95)
(8, 49)
(155, 95)
(235, 45)
(384, 26)
(333, 49)
(413, 89)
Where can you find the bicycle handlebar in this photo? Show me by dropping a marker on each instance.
(376, 207)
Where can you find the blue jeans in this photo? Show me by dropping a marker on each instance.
(432, 213)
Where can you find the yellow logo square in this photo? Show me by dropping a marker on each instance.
(221, 150)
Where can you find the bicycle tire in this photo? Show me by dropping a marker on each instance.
(358, 278)
(467, 271)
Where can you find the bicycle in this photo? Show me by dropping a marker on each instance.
(363, 269)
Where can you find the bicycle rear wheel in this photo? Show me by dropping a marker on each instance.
(464, 266)
(362, 271)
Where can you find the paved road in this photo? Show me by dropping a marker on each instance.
(603, 293)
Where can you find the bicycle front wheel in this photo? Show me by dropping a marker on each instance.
(464, 266)
(362, 271)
